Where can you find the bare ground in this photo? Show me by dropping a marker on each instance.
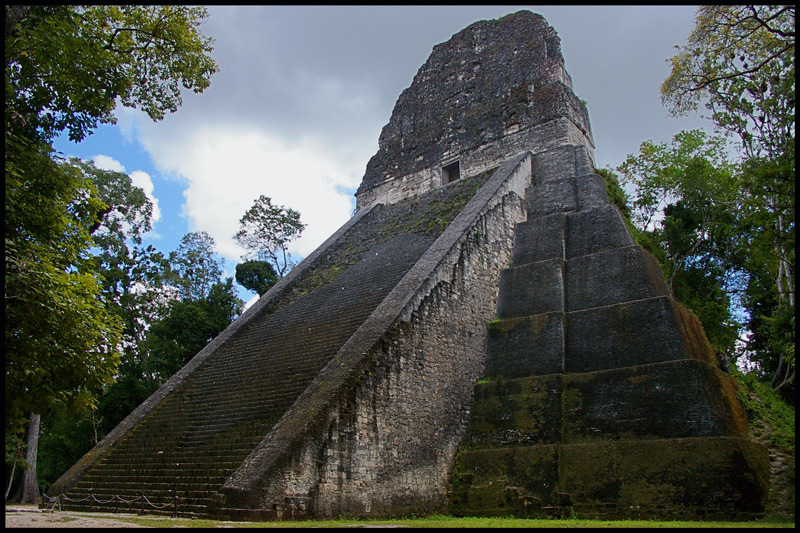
(30, 516)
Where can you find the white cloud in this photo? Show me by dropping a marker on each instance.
(227, 169)
(142, 179)
(139, 178)
(105, 162)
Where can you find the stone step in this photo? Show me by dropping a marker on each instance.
(219, 414)
(633, 333)
(560, 163)
(652, 476)
(531, 289)
(612, 276)
(655, 401)
(525, 346)
(567, 195)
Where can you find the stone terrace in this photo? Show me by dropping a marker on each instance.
(601, 394)
(201, 432)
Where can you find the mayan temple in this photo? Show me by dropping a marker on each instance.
(482, 337)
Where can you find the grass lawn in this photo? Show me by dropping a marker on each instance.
(447, 521)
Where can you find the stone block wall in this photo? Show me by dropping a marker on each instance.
(495, 89)
(195, 431)
(392, 188)
(592, 367)
(376, 432)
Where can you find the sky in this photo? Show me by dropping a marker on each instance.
(302, 93)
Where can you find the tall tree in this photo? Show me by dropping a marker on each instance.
(688, 197)
(739, 62)
(266, 230)
(67, 67)
(196, 264)
(61, 342)
(257, 276)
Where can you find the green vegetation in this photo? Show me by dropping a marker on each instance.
(256, 276)
(441, 521)
(772, 423)
(771, 418)
(80, 289)
(739, 63)
(66, 66)
(266, 230)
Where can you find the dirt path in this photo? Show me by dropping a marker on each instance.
(30, 516)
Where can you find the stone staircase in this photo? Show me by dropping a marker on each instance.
(600, 395)
(201, 432)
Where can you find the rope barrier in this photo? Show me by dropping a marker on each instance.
(92, 499)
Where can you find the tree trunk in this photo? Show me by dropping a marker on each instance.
(11, 478)
(30, 482)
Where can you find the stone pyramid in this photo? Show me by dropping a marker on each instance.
(601, 395)
(482, 337)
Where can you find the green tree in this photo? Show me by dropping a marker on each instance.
(135, 284)
(133, 277)
(61, 341)
(67, 66)
(196, 264)
(188, 327)
(266, 230)
(740, 63)
(688, 198)
(257, 276)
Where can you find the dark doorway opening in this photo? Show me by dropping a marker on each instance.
(451, 172)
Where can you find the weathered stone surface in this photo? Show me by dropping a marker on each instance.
(517, 412)
(687, 479)
(376, 431)
(655, 401)
(595, 230)
(526, 346)
(205, 423)
(633, 333)
(490, 83)
(532, 289)
(660, 401)
(561, 163)
(515, 481)
(348, 387)
(612, 276)
(539, 239)
(703, 477)
(592, 366)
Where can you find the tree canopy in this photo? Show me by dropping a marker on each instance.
(67, 67)
(257, 276)
(61, 342)
(196, 265)
(687, 199)
(266, 230)
(739, 62)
